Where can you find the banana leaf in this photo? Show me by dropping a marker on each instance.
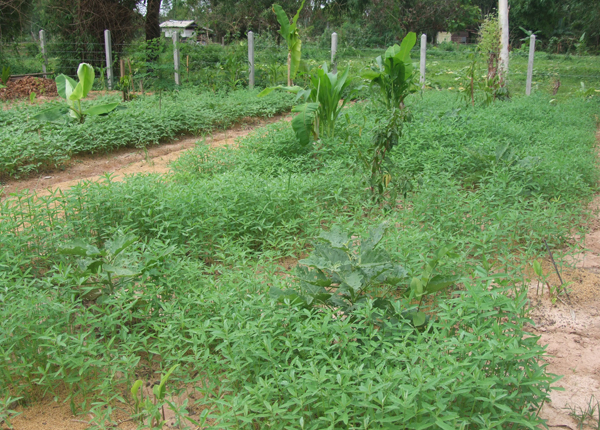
(101, 109)
(303, 122)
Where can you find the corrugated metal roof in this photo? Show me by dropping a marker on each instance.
(178, 24)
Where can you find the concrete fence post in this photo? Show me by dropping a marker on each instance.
(334, 43)
(251, 59)
(504, 57)
(176, 57)
(43, 48)
(423, 54)
(530, 64)
(110, 77)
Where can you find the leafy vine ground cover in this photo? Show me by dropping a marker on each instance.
(206, 243)
(29, 145)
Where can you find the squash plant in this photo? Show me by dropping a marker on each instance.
(290, 34)
(73, 92)
(344, 272)
(321, 108)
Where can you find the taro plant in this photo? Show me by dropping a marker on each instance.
(393, 74)
(323, 103)
(290, 34)
(74, 92)
(344, 272)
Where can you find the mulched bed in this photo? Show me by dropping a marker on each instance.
(21, 88)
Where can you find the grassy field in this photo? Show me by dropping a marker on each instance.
(109, 283)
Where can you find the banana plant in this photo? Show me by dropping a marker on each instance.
(73, 92)
(322, 105)
(290, 34)
(393, 73)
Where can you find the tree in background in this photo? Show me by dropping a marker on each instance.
(14, 16)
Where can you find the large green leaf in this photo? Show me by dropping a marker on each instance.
(407, 44)
(80, 248)
(294, 90)
(284, 22)
(101, 109)
(51, 114)
(296, 51)
(336, 238)
(295, 18)
(61, 81)
(303, 122)
(440, 282)
(85, 72)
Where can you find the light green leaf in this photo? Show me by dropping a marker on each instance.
(159, 390)
(296, 51)
(419, 319)
(61, 81)
(51, 114)
(85, 72)
(303, 122)
(407, 44)
(101, 109)
(80, 248)
(336, 237)
(135, 388)
(440, 282)
(284, 22)
(294, 90)
(537, 268)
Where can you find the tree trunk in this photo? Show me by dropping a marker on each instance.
(152, 26)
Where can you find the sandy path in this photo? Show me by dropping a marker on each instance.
(128, 161)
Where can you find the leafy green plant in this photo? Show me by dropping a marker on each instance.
(102, 272)
(5, 76)
(7, 413)
(323, 103)
(588, 416)
(126, 86)
(344, 272)
(74, 92)
(290, 34)
(154, 409)
(386, 135)
(393, 73)
(32, 97)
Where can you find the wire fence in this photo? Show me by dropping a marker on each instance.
(215, 65)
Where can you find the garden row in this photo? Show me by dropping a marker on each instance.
(30, 145)
(109, 283)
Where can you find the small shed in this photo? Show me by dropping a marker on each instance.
(185, 29)
(458, 37)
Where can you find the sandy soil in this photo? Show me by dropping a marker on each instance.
(570, 327)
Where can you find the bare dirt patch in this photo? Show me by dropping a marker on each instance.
(570, 327)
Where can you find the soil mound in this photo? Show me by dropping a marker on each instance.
(19, 88)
